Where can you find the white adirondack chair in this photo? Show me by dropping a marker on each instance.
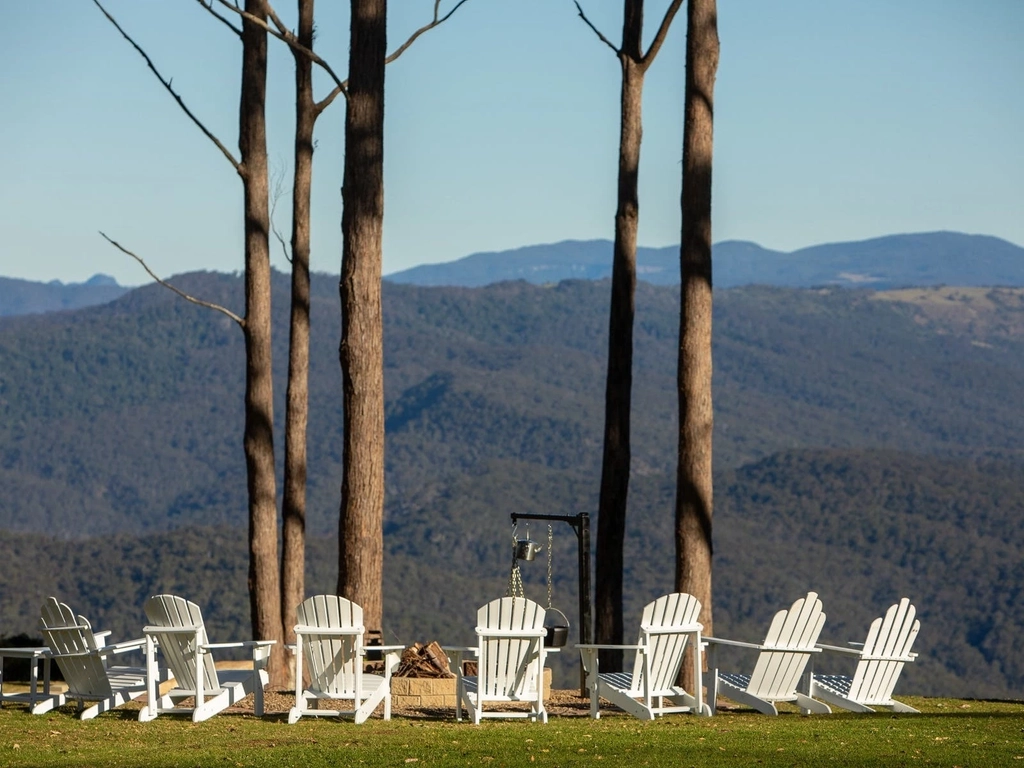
(329, 644)
(82, 656)
(781, 663)
(176, 626)
(510, 661)
(666, 626)
(880, 662)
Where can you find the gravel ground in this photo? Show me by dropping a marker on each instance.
(560, 703)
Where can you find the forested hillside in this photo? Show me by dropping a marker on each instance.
(867, 446)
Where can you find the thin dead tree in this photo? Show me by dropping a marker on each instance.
(361, 352)
(307, 110)
(264, 571)
(293, 505)
(696, 417)
(361, 529)
(258, 440)
(615, 463)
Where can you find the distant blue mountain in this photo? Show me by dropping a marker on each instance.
(932, 258)
(25, 297)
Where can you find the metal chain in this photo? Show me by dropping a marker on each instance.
(551, 538)
(515, 576)
(515, 582)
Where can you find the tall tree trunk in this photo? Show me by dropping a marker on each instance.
(361, 545)
(611, 517)
(293, 551)
(693, 482)
(264, 580)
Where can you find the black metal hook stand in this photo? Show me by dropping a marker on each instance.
(581, 526)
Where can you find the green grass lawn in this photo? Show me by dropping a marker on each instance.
(947, 733)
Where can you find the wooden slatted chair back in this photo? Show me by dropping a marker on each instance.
(791, 636)
(333, 662)
(71, 641)
(886, 650)
(180, 649)
(507, 665)
(661, 630)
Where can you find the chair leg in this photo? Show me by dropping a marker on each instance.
(257, 684)
(54, 700)
(899, 706)
(809, 705)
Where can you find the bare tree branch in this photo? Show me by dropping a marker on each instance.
(167, 84)
(283, 34)
(224, 21)
(324, 103)
(597, 32)
(277, 20)
(276, 193)
(425, 28)
(165, 284)
(659, 38)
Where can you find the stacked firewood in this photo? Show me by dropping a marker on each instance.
(421, 660)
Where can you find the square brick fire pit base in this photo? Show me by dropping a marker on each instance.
(434, 693)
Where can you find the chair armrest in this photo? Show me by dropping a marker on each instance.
(525, 634)
(305, 629)
(392, 661)
(124, 646)
(756, 646)
(708, 640)
(839, 649)
(102, 635)
(190, 630)
(260, 650)
(672, 630)
(455, 654)
(911, 657)
(239, 644)
(385, 649)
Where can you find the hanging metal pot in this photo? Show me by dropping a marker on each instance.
(557, 629)
(527, 549)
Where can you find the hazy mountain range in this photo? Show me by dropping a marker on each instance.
(867, 446)
(24, 297)
(926, 259)
(933, 258)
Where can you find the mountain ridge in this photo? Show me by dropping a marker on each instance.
(891, 261)
(24, 297)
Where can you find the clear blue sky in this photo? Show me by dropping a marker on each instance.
(834, 121)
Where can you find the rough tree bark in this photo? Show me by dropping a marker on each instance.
(264, 578)
(611, 514)
(293, 511)
(693, 481)
(361, 550)
(615, 464)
